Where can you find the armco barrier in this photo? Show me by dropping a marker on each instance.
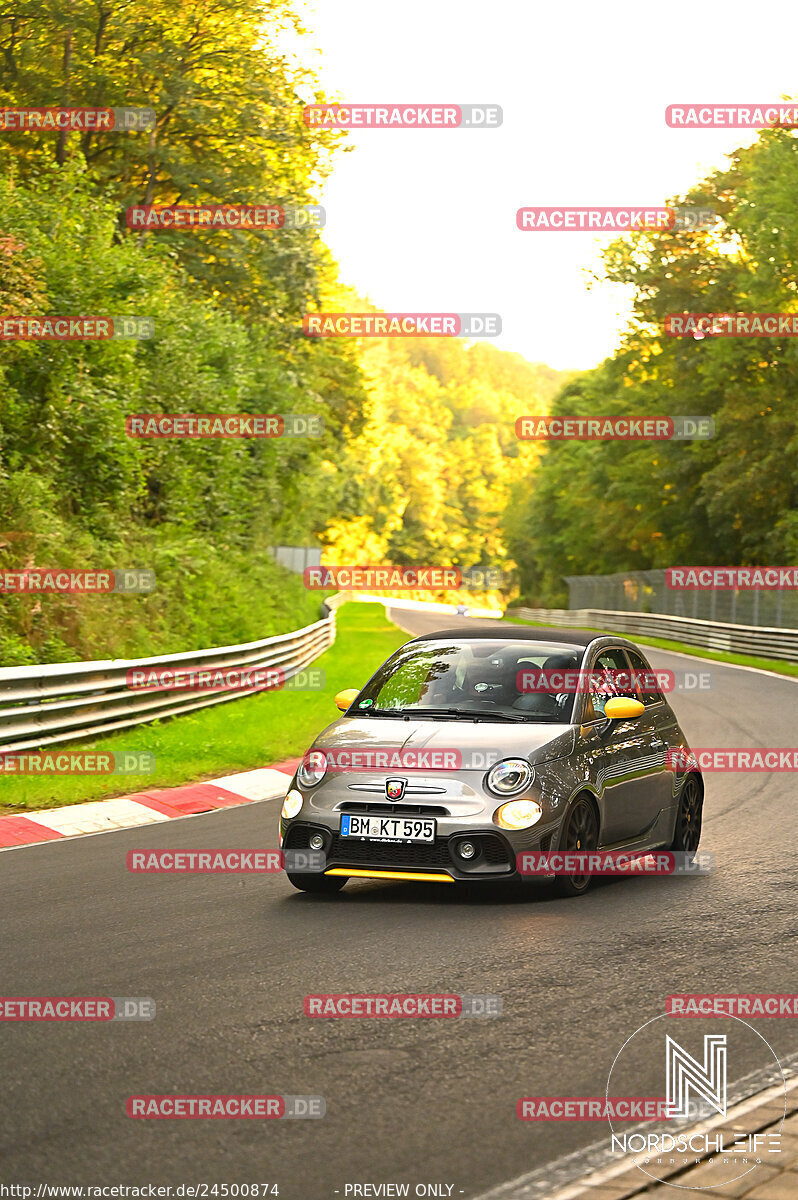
(42, 705)
(711, 635)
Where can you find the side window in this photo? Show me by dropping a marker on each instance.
(645, 679)
(609, 677)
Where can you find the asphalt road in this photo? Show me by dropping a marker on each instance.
(228, 960)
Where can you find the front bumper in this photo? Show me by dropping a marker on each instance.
(461, 807)
(437, 861)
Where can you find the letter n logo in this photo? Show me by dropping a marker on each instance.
(684, 1073)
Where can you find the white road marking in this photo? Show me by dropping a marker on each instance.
(95, 816)
(64, 841)
(105, 816)
(263, 784)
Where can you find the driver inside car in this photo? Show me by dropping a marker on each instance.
(548, 703)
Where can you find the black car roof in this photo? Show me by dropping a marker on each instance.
(521, 633)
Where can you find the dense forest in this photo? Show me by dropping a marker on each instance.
(597, 507)
(419, 462)
(227, 307)
(432, 469)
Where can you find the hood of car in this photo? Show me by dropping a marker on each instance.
(479, 744)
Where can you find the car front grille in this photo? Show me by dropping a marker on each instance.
(493, 849)
(349, 851)
(495, 856)
(416, 854)
(394, 810)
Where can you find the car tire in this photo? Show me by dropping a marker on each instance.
(317, 883)
(580, 833)
(687, 831)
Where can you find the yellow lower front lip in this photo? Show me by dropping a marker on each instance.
(352, 873)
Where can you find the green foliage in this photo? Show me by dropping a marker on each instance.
(431, 473)
(75, 489)
(229, 129)
(419, 454)
(605, 507)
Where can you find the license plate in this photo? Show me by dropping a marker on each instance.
(388, 829)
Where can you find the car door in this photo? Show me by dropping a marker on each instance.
(624, 765)
(655, 724)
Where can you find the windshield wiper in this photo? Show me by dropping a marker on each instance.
(383, 712)
(463, 714)
(489, 715)
(535, 718)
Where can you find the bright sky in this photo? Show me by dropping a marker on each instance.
(424, 220)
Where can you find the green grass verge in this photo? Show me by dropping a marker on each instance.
(205, 597)
(218, 741)
(779, 665)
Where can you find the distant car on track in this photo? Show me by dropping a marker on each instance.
(469, 746)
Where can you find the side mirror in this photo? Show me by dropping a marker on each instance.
(345, 698)
(622, 708)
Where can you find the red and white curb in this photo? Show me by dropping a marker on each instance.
(145, 808)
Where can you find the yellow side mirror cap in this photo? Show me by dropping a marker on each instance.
(345, 698)
(622, 708)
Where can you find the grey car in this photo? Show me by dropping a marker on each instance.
(469, 747)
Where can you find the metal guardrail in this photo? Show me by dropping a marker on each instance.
(648, 591)
(296, 558)
(711, 635)
(42, 705)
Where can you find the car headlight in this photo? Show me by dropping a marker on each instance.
(312, 769)
(511, 776)
(518, 814)
(291, 804)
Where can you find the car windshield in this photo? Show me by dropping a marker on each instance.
(480, 679)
